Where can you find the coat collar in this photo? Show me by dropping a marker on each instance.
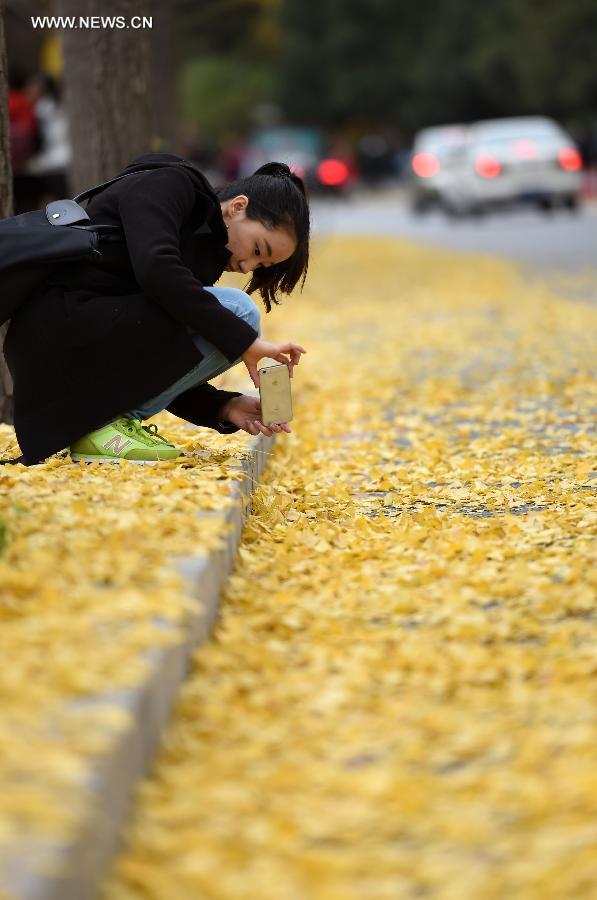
(215, 229)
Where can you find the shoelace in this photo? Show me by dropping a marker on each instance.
(135, 429)
(154, 434)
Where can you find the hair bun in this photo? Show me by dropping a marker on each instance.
(275, 170)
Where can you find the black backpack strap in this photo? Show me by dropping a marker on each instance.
(91, 192)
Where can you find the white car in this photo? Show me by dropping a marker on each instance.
(436, 157)
(508, 161)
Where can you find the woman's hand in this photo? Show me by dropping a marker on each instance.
(288, 353)
(245, 413)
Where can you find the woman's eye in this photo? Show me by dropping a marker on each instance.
(257, 250)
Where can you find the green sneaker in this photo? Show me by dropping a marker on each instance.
(123, 439)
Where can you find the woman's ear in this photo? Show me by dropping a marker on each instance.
(237, 205)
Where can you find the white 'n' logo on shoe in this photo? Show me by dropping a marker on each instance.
(115, 442)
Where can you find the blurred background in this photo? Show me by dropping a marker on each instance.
(466, 124)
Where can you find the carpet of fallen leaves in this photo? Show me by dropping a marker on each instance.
(400, 699)
(85, 588)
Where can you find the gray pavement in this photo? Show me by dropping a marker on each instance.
(557, 242)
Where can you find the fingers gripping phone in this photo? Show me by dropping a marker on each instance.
(275, 395)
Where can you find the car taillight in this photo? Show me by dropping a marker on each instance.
(487, 166)
(569, 159)
(425, 165)
(525, 149)
(332, 172)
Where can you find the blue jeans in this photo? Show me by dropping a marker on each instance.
(213, 363)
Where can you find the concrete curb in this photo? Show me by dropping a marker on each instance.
(75, 871)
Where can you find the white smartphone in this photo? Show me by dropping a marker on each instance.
(275, 394)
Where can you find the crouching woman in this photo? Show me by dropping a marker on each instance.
(101, 347)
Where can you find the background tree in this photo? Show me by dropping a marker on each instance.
(377, 62)
(163, 79)
(107, 84)
(5, 206)
(228, 51)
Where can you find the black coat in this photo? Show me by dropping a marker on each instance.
(98, 340)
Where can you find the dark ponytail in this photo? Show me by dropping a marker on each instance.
(277, 198)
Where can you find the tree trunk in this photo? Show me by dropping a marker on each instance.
(164, 96)
(107, 84)
(5, 208)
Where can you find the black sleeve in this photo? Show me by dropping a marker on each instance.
(152, 212)
(201, 405)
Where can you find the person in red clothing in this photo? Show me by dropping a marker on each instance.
(24, 137)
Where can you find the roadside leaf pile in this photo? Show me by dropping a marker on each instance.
(401, 696)
(85, 588)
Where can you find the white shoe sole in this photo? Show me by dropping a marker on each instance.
(76, 457)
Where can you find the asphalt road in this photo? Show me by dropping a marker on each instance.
(558, 242)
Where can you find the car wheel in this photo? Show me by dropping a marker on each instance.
(419, 207)
(478, 211)
(454, 210)
(546, 205)
(571, 202)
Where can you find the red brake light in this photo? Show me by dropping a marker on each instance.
(487, 166)
(332, 172)
(525, 149)
(425, 165)
(569, 159)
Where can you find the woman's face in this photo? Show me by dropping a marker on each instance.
(250, 242)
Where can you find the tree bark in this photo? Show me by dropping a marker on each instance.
(6, 202)
(164, 96)
(107, 86)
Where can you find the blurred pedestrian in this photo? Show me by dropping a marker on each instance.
(49, 165)
(25, 138)
(231, 157)
(587, 145)
(375, 159)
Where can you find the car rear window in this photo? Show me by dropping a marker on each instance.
(519, 144)
(441, 144)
